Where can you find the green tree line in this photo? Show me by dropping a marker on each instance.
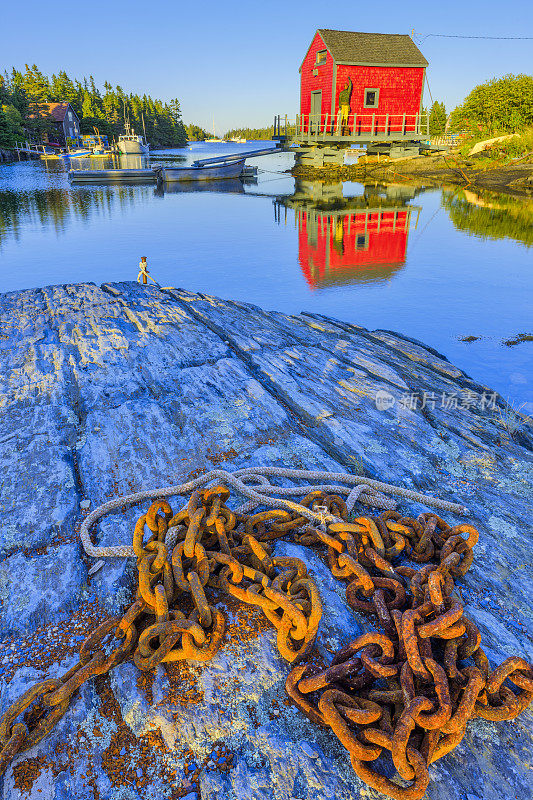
(24, 95)
(195, 133)
(250, 133)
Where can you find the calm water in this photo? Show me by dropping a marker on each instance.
(434, 265)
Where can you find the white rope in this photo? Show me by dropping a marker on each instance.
(354, 496)
(362, 493)
(365, 490)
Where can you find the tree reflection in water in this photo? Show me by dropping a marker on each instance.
(340, 239)
(489, 215)
(58, 208)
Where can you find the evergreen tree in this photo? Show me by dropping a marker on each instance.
(4, 91)
(14, 120)
(437, 118)
(36, 85)
(64, 91)
(18, 96)
(26, 97)
(7, 137)
(88, 107)
(110, 104)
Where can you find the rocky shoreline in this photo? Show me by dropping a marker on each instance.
(112, 389)
(515, 180)
(7, 155)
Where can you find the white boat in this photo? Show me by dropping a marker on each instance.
(210, 172)
(214, 137)
(79, 153)
(237, 140)
(130, 144)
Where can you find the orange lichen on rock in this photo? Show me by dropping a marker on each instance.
(25, 773)
(249, 623)
(50, 644)
(129, 759)
(145, 684)
(182, 684)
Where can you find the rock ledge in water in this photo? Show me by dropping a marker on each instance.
(112, 389)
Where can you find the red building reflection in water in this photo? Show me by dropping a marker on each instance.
(347, 239)
(340, 247)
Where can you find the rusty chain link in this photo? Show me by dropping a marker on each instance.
(408, 691)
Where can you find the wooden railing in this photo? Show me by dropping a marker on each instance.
(30, 147)
(326, 125)
(449, 139)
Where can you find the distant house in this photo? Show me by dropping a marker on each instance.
(66, 122)
(350, 73)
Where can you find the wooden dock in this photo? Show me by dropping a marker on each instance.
(29, 149)
(203, 162)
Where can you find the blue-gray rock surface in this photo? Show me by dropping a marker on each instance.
(113, 389)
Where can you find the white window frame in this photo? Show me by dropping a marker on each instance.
(371, 89)
(361, 241)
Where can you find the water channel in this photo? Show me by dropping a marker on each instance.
(444, 266)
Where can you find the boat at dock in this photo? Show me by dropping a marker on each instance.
(221, 170)
(79, 153)
(113, 175)
(131, 144)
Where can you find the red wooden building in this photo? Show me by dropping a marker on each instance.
(359, 85)
(386, 72)
(369, 73)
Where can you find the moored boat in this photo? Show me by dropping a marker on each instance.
(78, 153)
(113, 175)
(210, 172)
(131, 144)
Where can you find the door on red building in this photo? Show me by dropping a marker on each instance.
(316, 111)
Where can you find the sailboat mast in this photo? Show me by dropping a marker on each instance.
(144, 128)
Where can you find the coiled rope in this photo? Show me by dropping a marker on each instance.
(253, 483)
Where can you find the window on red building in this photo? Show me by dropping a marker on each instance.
(321, 56)
(371, 98)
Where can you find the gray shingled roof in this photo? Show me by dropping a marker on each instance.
(350, 47)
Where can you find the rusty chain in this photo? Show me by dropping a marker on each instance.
(408, 690)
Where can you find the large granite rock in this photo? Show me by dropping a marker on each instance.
(108, 390)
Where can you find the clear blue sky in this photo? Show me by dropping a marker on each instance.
(239, 61)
